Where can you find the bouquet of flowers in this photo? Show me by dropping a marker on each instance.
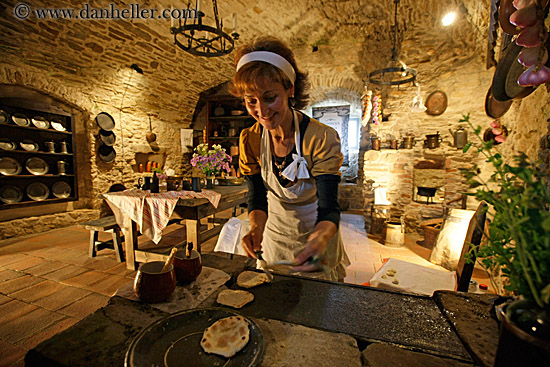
(211, 161)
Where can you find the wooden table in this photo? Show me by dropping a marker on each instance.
(191, 210)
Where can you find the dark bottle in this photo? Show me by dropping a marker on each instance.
(155, 184)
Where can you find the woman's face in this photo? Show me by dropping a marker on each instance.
(268, 104)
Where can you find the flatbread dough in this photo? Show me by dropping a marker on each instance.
(226, 336)
(234, 298)
(249, 279)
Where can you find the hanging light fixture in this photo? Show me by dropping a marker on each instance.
(397, 73)
(203, 40)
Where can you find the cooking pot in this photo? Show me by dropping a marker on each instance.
(408, 142)
(432, 141)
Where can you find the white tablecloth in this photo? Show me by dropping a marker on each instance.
(152, 211)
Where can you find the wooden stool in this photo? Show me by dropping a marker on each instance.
(105, 224)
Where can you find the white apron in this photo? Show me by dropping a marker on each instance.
(292, 213)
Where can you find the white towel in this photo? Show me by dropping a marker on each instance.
(380, 196)
(231, 235)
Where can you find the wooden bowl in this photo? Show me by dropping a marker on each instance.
(152, 285)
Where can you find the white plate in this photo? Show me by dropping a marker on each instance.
(20, 120)
(61, 189)
(37, 166)
(9, 166)
(29, 145)
(10, 194)
(40, 122)
(38, 191)
(7, 144)
(58, 125)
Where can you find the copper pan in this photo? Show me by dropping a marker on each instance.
(494, 108)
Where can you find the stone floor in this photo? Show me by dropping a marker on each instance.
(48, 282)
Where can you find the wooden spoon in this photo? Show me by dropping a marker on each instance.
(170, 260)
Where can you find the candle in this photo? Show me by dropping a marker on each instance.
(141, 168)
(148, 166)
(234, 22)
(198, 6)
(171, 16)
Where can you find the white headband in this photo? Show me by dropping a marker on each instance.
(271, 58)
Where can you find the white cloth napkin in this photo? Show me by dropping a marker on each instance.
(297, 168)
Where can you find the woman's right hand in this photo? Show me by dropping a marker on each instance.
(252, 241)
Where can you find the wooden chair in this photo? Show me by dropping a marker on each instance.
(412, 272)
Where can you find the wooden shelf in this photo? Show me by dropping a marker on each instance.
(18, 134)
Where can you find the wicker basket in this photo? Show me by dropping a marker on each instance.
(431, 229)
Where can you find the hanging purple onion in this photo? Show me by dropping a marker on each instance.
(530, 56)
(531, 77)
(524, 17)
(520, 4)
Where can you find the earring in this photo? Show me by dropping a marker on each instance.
(292, 101)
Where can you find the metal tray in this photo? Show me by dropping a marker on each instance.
(175, 341)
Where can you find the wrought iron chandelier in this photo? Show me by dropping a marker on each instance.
(203, 40)
(397, 73)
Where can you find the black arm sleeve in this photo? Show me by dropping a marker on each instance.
(327, 193)
(257, 193)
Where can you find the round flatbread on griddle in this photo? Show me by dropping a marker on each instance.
(249, 279)
(226, 336)
(235, 299)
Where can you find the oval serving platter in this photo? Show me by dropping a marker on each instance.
(37, 166)
(61, 190)
(37, 191)
(58, 125)
(9, 166)
(40, 122)
(10, 194)
(7, 144)
(29, 145)
(20, 120)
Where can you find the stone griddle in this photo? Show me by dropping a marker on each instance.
(368, 314)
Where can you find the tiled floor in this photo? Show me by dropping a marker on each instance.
(48, 282)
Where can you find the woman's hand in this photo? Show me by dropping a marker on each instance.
(252, 241)
(314, 251)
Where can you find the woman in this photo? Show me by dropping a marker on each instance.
(291, 164)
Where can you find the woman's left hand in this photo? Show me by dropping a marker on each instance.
(308, 260)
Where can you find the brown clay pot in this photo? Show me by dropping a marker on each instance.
(187, 268)
(152, 285)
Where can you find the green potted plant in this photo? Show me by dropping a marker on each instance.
(518, 246)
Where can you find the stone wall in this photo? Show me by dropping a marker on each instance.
(466, 87)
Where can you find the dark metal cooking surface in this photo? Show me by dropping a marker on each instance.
(415, 321)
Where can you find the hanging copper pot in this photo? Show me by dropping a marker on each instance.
(151, 136)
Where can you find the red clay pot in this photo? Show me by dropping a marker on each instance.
(187, 268)
(152, 285)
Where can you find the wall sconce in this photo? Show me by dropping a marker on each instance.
(136, 68)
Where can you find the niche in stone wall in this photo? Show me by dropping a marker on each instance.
(429, 177)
